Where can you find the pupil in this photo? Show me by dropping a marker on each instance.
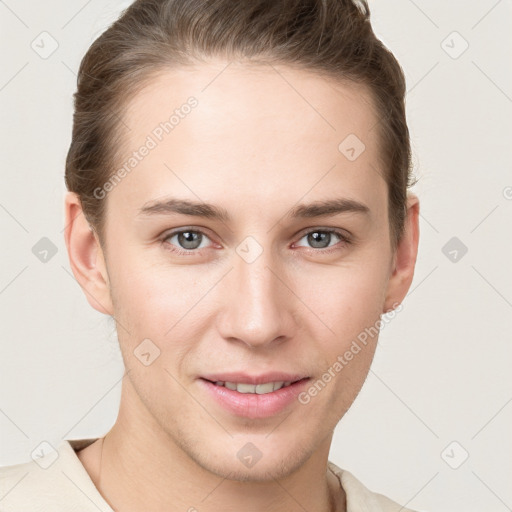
(319, 235)
(188, 239)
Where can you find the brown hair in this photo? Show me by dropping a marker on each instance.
(331, 37)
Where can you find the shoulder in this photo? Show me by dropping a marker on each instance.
(54, 479)
(360, 497)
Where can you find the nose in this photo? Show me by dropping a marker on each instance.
(258, 305)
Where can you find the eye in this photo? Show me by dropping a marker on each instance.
(190, 241)
(187, 241)
(322, 238)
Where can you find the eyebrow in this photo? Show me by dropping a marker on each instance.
(322, 208)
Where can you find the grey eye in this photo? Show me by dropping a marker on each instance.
(187, 239)
(321, 239)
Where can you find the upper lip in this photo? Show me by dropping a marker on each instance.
(240, 377)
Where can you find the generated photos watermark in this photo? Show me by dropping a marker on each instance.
(342, 360)
(152, 140)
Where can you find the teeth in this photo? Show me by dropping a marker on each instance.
(245, 388)
(279, 385)
(259, 389)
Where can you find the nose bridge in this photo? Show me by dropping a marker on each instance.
(259, 305)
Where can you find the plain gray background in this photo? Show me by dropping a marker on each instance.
(440, 386)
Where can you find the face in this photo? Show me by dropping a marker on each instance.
(272, 284)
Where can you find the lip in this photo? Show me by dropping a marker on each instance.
(253, 379)
(254, 406)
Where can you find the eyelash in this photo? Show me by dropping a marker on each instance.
(345, 240)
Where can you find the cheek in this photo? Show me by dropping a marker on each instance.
(149, 305)
(152, 300)
(351, 309)
(347, 299)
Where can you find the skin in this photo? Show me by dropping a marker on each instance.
(255, 146)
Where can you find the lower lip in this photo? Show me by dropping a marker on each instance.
(252, 405)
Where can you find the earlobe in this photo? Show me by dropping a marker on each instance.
(86, 256)
(404, 259)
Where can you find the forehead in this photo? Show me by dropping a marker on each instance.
(235, 94)
(255, 132)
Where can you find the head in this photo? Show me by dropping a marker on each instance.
(284, 121)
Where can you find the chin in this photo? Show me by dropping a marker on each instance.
(260, 473)
(252, 464)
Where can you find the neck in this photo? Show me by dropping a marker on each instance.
(141, 467)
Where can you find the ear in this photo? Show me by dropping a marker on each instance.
(404, 259)
(86, 256)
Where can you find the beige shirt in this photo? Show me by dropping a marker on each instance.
(58, 482)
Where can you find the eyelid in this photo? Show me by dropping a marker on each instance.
(330, 229)
(346, 238)
(176, 231)
(300, 234)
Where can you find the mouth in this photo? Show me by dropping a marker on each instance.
(258, 389)
(254, 401)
